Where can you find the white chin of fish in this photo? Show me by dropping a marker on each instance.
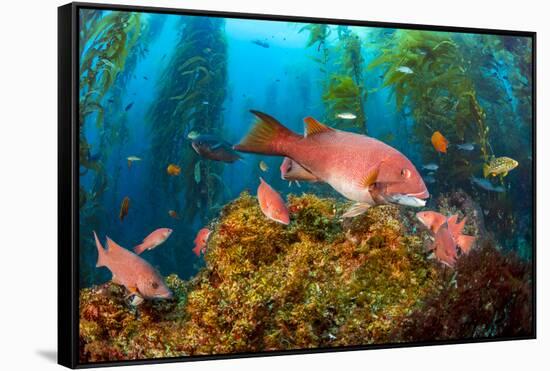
(406, 200)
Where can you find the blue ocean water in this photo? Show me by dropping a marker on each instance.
(130, 107)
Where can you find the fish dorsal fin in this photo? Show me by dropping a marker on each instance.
(112, 245)
(313, 127)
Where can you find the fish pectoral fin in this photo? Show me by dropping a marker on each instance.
(313, 126)
(370, 178)
(356, 209)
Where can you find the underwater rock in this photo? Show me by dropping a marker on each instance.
(459, 202)
(317, 282)
(489, 295)
(112, 329)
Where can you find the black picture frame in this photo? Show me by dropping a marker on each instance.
(68, 179)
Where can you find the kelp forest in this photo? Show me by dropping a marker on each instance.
(255, 186)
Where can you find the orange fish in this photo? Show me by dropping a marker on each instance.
(201, 241)
(173, 214)
(444, 228)
(360, 168)
(173, 170)
(154, 239)
(272, 204)
(439, 142)
(131, 271)
(124, 206)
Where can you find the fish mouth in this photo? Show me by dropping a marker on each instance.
(167, 295)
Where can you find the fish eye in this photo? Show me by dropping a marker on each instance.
(155, 285)
(405, 173)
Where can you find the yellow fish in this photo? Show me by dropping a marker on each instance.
(263, 166)
(173, 170)
(499, 166)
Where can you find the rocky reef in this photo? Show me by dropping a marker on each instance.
(319, 282)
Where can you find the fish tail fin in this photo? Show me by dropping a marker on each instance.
(266, 136)
(465, 243)
(100, 252)
(139, 248)
(197, 250)
(485, 170)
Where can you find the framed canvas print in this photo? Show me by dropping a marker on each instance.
(235, 185)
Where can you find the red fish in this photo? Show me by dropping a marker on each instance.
(463, 241)
(444, 246)
(360, 168)
(442, 228)
(154, 239)
(131, 271)
(432, 220)
(272, 204)
(201, 241)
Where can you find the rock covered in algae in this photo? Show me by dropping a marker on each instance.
(318, 282)
(112, 329)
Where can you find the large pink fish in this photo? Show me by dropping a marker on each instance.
(272, 204)
(360, 168)
(154, 239)
(131, 271)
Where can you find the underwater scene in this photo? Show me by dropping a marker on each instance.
(256, 186)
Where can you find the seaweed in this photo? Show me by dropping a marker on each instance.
(191, 95)
(343, 90)
(315, 283)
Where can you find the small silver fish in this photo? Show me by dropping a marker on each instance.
(346, 116)
(197, 172)
(431, 167)
(487, 185)
(263, 166)
(405, 70)
(429, 179)
(192, 135)
(466, 146)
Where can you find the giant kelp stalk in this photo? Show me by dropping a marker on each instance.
(106, 39)
(191, 94)
(343, 89)
(501, 68)
(105, 42)
(429, 76)
(346, 91)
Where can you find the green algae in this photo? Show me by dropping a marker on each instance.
(318, 282)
